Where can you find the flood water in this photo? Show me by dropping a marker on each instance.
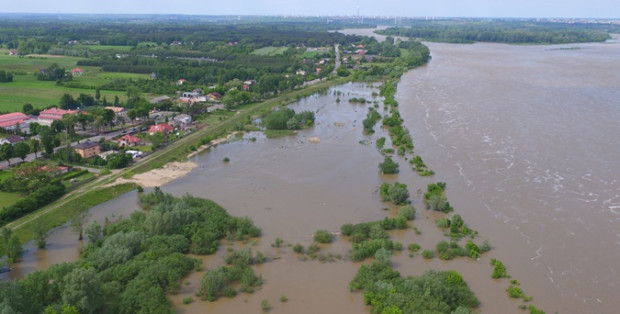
(526, 138)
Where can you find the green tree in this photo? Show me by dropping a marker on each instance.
(94, 232)
(6, 152)
(83, 289)
(40, 233)
(13, 248)
(97, 94)
(35, 145)
(47, 140)
(27, 108)
(21, 150)
(388, 166)
(67, 102)
(78, 222)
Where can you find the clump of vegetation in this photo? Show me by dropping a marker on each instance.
(358, 100)
(265, 306)
(413, 247)
(286, 119)
(428, 254)
(420, 167)
(371, 119)
(283, 299)
(449, 251)
(388, 166)
(226, 159)
(456, 227)
(188, 300)
(381, 143)
(298, 248)
(323, 236)
(396, 193)
(407, 211)
(369, 237)
(278, 242)
(499, 270)
(387, 292)
(434, 198)
(220, 281)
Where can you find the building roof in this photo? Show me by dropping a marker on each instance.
(86, 145)
(14, 139)
(11, 119)
(159, 99)
(162, 127)
(115, 109)
(129, 139)
(77, 70)
(55, 113)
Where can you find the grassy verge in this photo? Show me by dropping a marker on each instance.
(7, 199)
(59, 212)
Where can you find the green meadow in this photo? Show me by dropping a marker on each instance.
(104, 47)
(269, 51)
(25, 88)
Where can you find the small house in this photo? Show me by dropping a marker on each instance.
(182, 119)
(214, 96)
(162, 127)
(77, 72)
(128, 140)
(181, 81)
(87, 149)
(12, 139)
(13, 52)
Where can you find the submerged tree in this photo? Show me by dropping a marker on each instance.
(78, 222)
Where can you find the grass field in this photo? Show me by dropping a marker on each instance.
(269, 51)
(104, 47)
(25, 88)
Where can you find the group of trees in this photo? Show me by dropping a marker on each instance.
(517, 32)
(287, 119)
(129, 265)
(5, 77)
(53, 73)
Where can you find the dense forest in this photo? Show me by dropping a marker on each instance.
(513, 32)
(129, 265)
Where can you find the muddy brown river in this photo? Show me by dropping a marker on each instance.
(526, 137)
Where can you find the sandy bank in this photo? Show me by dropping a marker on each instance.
(160, 176)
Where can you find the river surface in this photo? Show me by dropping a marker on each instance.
(526, 137)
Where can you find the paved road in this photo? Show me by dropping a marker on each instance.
(30, 157)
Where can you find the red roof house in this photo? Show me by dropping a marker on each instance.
(10, 120)
(162, 127)
(77, 72)
(128, 140)
(47, 116)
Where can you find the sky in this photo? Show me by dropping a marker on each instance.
(413, 8)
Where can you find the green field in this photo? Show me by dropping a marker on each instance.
(269, 51)
(104, 47)
(25, 88)
(8, 199)
(309, 54)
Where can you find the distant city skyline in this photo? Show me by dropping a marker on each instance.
(405, 8)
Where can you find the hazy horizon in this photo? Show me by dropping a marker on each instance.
(602, 9)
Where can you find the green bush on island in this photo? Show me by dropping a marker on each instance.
(428, 254)
(388, 166)
(371, 119)
(499, 270)
(381, 143)
(396, 193)
(407, 211)
(437, 292)
(286, 119)
(413, 247)
(323, 236)
(434, 198)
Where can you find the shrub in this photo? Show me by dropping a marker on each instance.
(388, 166)
(264, 305)
(499, 271)
(226, 159)
(413, 247)
(298, 248)
(407, 211)
(381, 143)
(188, 300)
(323, 236)
(443, 223)
(283, 298)
(396, 193)
(428, 254)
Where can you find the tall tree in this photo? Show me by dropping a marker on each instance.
(6, 152)
(40, 233)
(78, 222)
(83, 289)
(35, 145)
(21, 150)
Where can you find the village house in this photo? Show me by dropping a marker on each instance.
(13, 52)
(118, 111)
(190, 94)
(214, 96)
(87, 149)
(300, 72)
(181, 81)
(162, 127)
(245, 87)
(15, 120)
(77, 72)
(11, 139)
(182, 120)
(105, 155)
(249, 82)
(159, 99)
(47, 116)
(128, 140)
